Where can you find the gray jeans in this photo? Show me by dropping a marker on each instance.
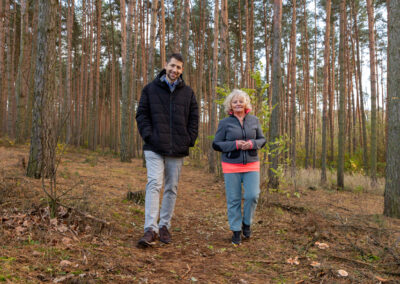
(159, 167)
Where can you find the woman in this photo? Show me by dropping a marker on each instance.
(238, 137)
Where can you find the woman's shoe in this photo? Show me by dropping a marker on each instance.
(246, 231)
(236, 238)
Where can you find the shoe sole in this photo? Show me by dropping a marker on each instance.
(165, 242)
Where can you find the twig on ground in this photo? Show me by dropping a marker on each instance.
(187, 272)
(86, 215)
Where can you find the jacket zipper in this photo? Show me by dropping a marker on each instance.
(244, 136)
(170, 121)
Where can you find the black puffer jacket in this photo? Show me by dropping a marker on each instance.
(168, 122)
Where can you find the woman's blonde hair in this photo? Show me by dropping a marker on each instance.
(235, 93)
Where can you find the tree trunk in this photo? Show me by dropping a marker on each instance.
(43, 91)
(95, 112)
(213, 118)
(293, 93)
(276, 92)
(126, 80)
(185, 33)
(153, 25)
(3, 98)
(332, 96)
(306, 89)
(224, 72)
(392, 186)
(342, 94)
(19, 92)
(162, 37)
(373, 91)
(362, 112)
(325, 91)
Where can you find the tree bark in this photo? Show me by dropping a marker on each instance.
(342, 94)
(325, 91)
(153, 25)
(43, 91)
(392, 186)
(293, 93)
(214, 84)
(276, 91)
(373, 91)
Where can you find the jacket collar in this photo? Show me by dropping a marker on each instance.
(159, 80)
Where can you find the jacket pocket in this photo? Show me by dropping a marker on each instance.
(233, 154)
(253, 153)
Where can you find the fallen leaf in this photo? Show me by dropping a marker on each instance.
(53, 222)
(63, 278)
(66, 241)
(315, 264)
(294, 261)
(62, 228)
(27, 223)
(65, 263)
(380, 279)
(20, 229)
(36, 253)
(343, 273)
(322, 245)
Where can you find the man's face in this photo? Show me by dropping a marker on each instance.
(174, 69)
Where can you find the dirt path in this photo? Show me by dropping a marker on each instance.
(283, 249)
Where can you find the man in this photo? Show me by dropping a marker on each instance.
(167, 119)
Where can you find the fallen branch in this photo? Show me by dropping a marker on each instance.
(86, 215)
(187, 272)
(290, 208)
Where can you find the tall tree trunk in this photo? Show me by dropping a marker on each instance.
(362, 112)
(43, 91)
(153, 25)
(325, 90)
(276, 91)
(68, 78)
(3, 98)
(242, 74)
(342, 93)
(185, 33)
(306, 89)
(126, 82)
(213, 118)
(373, 91)
(392, 186)
(332, 96)
(162, 37)
(19, 92)
(293, 93)
(95, 112)
(224, 72)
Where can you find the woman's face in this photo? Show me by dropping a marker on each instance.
(238, 104)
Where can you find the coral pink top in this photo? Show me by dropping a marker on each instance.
(228, 168)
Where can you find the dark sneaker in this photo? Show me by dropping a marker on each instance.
(147, 240)
(246, 231)
(236, 239)
(165, 236)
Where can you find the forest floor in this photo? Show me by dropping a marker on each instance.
(309, 236)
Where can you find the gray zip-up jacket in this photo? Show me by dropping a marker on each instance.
(230, 130)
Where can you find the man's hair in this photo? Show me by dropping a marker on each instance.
(177, 56)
